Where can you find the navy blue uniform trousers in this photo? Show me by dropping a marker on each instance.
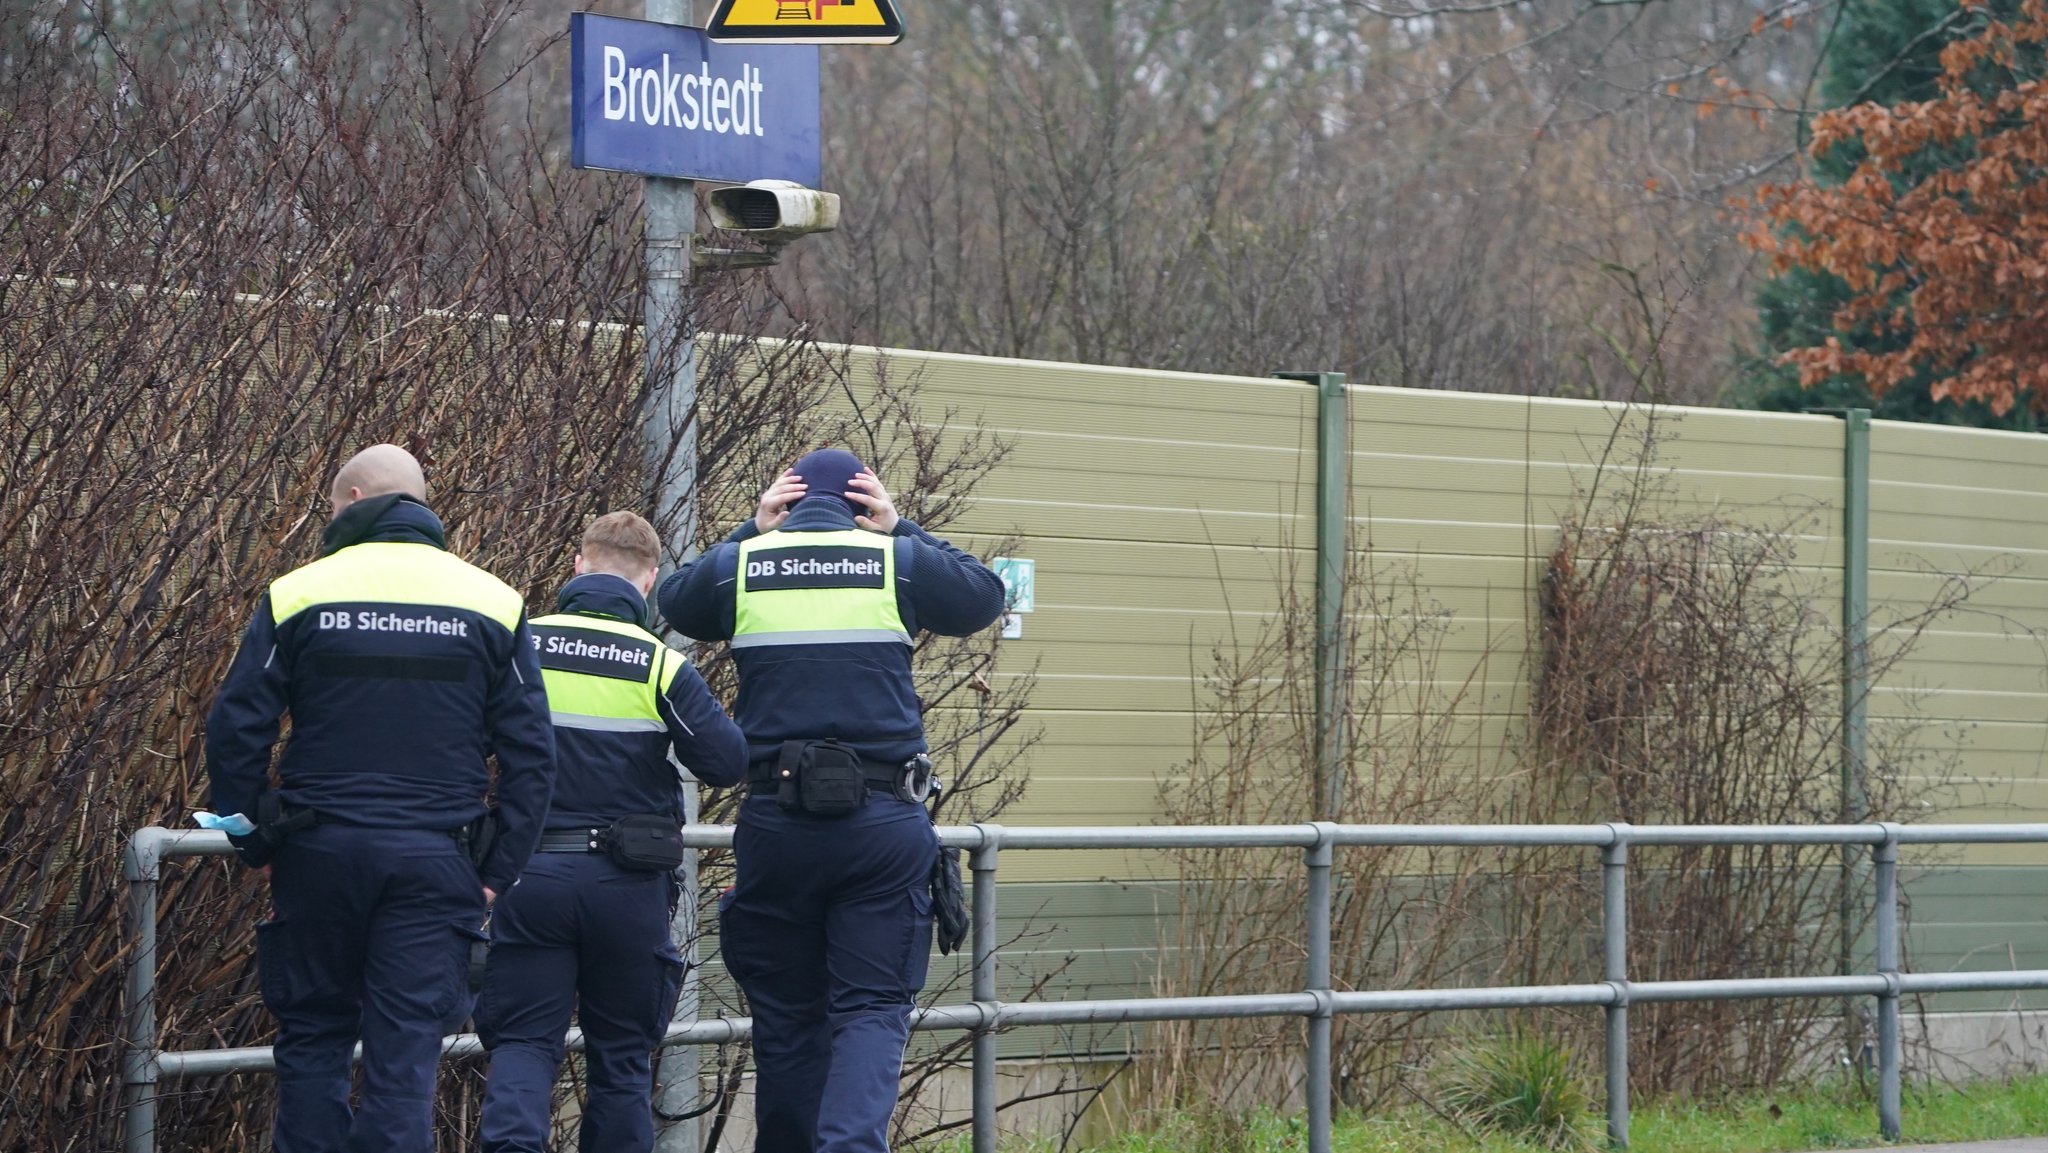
(370, 940)
(829, 933)
(577, 933)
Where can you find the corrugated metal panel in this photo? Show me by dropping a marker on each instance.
(1167, 514)
(1946, 501)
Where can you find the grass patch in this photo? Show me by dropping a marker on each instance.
(1838, 1118)
(1522, 1086)
(1793, 1121)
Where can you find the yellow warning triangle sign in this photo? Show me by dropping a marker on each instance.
(806, 22)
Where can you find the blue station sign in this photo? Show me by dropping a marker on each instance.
(664, 100)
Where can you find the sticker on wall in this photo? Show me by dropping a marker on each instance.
(1019, 575)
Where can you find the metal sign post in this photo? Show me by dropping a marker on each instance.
(671, 367)
(660, 99)
(670, 349)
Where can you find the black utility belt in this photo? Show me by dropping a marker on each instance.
(878, 774)
(829, 779)
(277, 820)
(644, 842)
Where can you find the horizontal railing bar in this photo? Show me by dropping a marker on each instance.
(1158, 836)
(939, 1018)
(1591, 836)
(192, 843)
(1755, 988)
(213, 1062)
(1869, 834)
(1155, 1009)
(262, 1059)
(259, 1058)
(710, 836)
(1970, 834)
(200, 842)
(1994, 981)
(1506, 997)
(970, 1017)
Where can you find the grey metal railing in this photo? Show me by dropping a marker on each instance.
(145, 1064)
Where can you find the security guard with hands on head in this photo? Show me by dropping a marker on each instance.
(828, 930)
(587, 927)
(403, 668)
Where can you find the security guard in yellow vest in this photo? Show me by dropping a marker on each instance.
(404, 670)
(828, 930)
(587, 927)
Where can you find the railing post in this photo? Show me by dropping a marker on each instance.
(1614, 965)
(1319, 857)
(1888, 1041)
(1855, 693)
(982, 861)
(138, 1058)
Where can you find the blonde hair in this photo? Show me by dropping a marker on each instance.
(621, 543)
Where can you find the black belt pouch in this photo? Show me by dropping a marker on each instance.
(822, 778)
(276, 822)
(644, 843)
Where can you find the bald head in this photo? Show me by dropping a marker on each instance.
(377, 471)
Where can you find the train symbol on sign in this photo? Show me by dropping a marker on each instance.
(806, 22)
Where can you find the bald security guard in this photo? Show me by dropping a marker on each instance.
(828, 930)
(403, 668)
(587, 927)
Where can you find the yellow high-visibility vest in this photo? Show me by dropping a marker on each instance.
(395, 573)
(817, 588)
(603, 674)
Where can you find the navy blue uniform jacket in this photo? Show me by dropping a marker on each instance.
(861, 694)
(601, 776)
(390, 728)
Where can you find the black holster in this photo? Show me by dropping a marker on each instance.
(822, 778)
(949, 901)
(275, 824)
(478, 837)
(479, 962)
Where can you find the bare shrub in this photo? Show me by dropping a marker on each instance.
(1691, 674)
(1398, 914)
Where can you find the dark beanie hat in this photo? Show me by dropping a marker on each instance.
(828, 472)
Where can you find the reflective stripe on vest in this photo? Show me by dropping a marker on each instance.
(817, 588)
(603, 675)
(395, 573)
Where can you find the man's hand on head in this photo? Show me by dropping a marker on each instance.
(866, 489)
(777, 499)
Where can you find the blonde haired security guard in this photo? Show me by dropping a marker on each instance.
(587, 927)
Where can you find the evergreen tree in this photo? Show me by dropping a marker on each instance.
(1886, 52)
